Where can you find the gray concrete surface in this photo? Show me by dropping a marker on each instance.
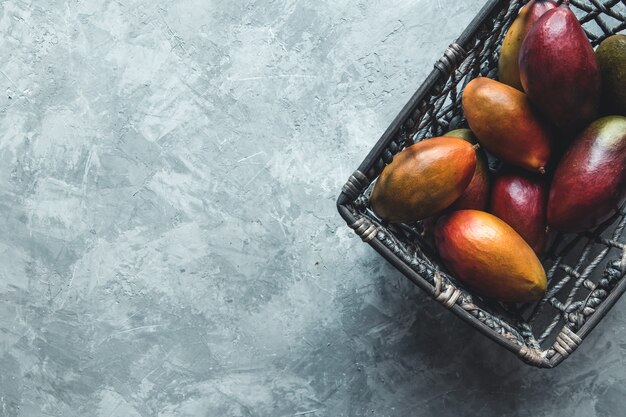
(169, 241)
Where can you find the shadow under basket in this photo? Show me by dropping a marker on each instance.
(585, 271)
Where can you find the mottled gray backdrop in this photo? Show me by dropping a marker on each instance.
(169, 243)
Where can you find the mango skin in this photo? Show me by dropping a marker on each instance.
(423, 180)
(488, 256)
(476, 195)
(521, 200)
(611, 55)
(589, 184)
(559, 71)
(506, 125)
(508, 63)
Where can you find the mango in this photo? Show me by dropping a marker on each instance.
(488, 256)
(521, 200)
(508, 63)
(559, 71)
(423, 180)
(476, 195)
(506, 125)
(589, 184)
(611, 55)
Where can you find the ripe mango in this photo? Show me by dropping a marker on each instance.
(521, 200)
(488, 256)
(559, 71)
(506, 125)
(611, 55)
(508, 64)
(589, 184)
(423, 180)
(476, 195)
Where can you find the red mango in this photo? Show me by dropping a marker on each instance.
(521, 200)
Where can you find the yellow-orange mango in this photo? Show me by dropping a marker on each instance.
(504, 122)
(508, 64)
(423, 180)
(488, 256)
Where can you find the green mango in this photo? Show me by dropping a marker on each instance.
(611, 55)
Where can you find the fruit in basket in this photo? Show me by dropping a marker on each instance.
(487, 255)
(508, 64)
(476, 195)
(521, 199)
(611, 55)
(589, 184)
(506, 125)
(423, 180)
(559, 70)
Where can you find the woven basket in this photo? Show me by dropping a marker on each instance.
(585, 271)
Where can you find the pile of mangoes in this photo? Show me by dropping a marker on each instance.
(556, 120)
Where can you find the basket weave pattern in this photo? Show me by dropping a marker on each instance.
(585, 271)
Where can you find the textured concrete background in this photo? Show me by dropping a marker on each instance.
(170, 245)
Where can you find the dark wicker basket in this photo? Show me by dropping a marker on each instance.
(585, 272)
